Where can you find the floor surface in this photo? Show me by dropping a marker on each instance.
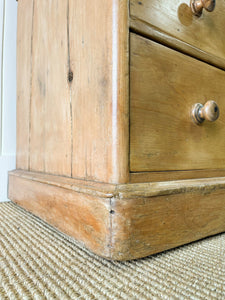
(39, 262)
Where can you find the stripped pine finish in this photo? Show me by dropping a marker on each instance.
(50, 103)
(24, 75)
(112, 146)
(91, 142)
(163, 135)
(125, 221)
(175, 18)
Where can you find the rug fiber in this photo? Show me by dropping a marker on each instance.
(39, 262)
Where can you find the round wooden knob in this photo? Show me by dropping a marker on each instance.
(198, 5)
(209, 111)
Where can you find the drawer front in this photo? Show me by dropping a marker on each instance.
(164, 86)
(175, 18)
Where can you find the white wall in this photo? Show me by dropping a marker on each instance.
(1, 42)
(8, 21)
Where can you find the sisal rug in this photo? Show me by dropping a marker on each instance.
(39, 262)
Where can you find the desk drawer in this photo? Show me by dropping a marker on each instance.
(165, 85)
(175, 18)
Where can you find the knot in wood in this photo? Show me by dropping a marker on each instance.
(70, 76)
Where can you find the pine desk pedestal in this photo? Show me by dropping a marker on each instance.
(121, 121)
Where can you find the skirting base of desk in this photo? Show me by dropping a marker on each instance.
(124, 221)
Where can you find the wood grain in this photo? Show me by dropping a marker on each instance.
(164, 86)
(50, 142)
(124, 221)
(156, 34)
(79, 215)
(99, 91)
(78, 127)
(165, 188)
(73, 123)
(92, 188)
(146, 226)
(140, 177)
(24, 69)
(174, 17)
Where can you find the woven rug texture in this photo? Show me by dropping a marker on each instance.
(39, 262)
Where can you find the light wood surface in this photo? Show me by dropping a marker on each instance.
(24, 71)
(99, 106)
(80, 215)
(99, 91)
(174, 17)
(50, 137)
(146, 226)
(140, 177)
(92, 188)
(164, 86)
(77, 128)
(156, 34)
(124, 221)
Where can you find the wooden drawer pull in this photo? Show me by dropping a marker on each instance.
(209, 111)
(198, 5)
